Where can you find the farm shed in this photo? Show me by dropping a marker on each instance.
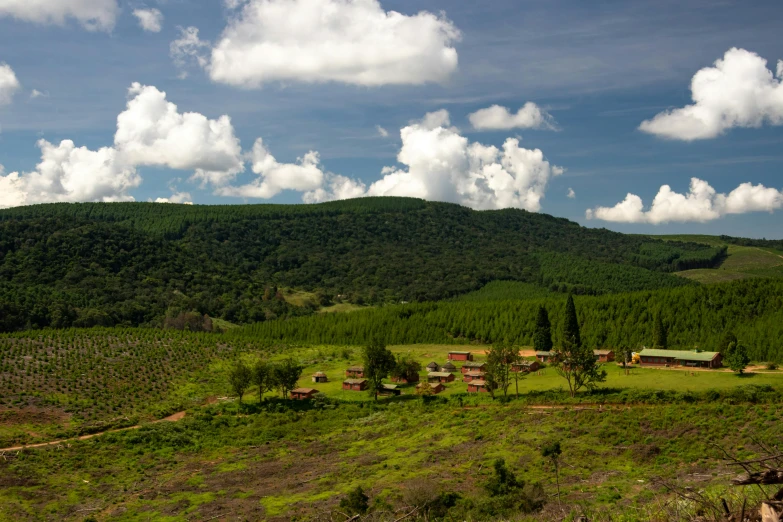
(355, 384)
(544, 357)
(525, 366)
(320, 377)
(440, 377)
(470, 366)
(604, 355)
(478, 386)
(389, 389)
(691, 359)
(433, 367)
(356, 372)
(448, 367)
(303, 393)
(460, 356)
(472, 376)
(436, 386)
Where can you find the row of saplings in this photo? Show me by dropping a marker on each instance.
(281, 376)
(504, 495)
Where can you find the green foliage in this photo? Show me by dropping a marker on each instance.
(285, 375)
(726, 341)
(406, 367)
(509, 494)
(378, 363)
(697, 317)
(497, 373)
(542, 336)
(660, 337)
(262, 377)
(571, 337)
(356, 502)
(737, 357)
(103, 264)
(240, 377)
(573, 360)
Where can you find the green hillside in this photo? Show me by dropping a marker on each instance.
(134, 264)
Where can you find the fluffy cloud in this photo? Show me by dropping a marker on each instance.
(68, 173)
(8, 84)
(93, 15)
(530, 116)
(188, 48)
(571, 194)
(177, 197)
(149, 19)
(702, 203)
(303, 176)
(442, 165)
(348, 41)
(151, 131)
(739, 91)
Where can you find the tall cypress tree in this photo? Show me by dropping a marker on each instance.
(571, 334)
(542, 337)
(659, 334)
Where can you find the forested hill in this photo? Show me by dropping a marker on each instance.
(134, 263)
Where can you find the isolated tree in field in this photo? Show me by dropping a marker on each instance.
(660, 340)
(240, 377)
(552, 451)
(542, 336)
(573, 361)
(262, 378)
(498, 369)
(737, 357)
(285, 376)
(406, 367)
(378, 362)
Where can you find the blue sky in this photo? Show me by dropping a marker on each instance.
(599, 69)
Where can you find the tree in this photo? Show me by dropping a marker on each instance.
(406, 367)
(503, 482)
(378, 362)
(285, 376)
(498, 370)
(552, 451)
(737, 357)
(542, 336)
(659, 334)
(726, 341)
(573, 361)
(571, 324)
(262, 378)
(356, 502)
(240, 377)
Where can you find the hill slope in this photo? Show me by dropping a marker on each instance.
(133, 263)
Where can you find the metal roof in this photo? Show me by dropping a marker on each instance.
(473, 364)
(355, 369)
(354, 381)
(304, 390)
(684, 355)
(438, 374)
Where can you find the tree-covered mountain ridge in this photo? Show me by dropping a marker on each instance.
(81, 264)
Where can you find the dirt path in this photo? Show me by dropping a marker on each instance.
(171, 418)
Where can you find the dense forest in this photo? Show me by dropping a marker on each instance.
(694, 317)
(148, 264)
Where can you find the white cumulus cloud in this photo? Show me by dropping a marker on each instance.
(149, 19)
(348, 41)
(151, 131)
(571, 194)
(529, 116)
(9, 84)
(68, 173)
(441, 165)
(702, 203)
(93, 15)
(738, 91)
(182, 198)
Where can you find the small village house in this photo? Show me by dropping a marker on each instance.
(355, 384)
(440, 377)
(448, 367)
(460, 356)
(355, 372)
(478, 386)
(689, 359)
(433, 367)
(435, 386)
(303, 393)
(544, 357)
(525, 366)
(472, 376)
(470, 366)
(604, 355)
(320, 377)
(389, 389)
